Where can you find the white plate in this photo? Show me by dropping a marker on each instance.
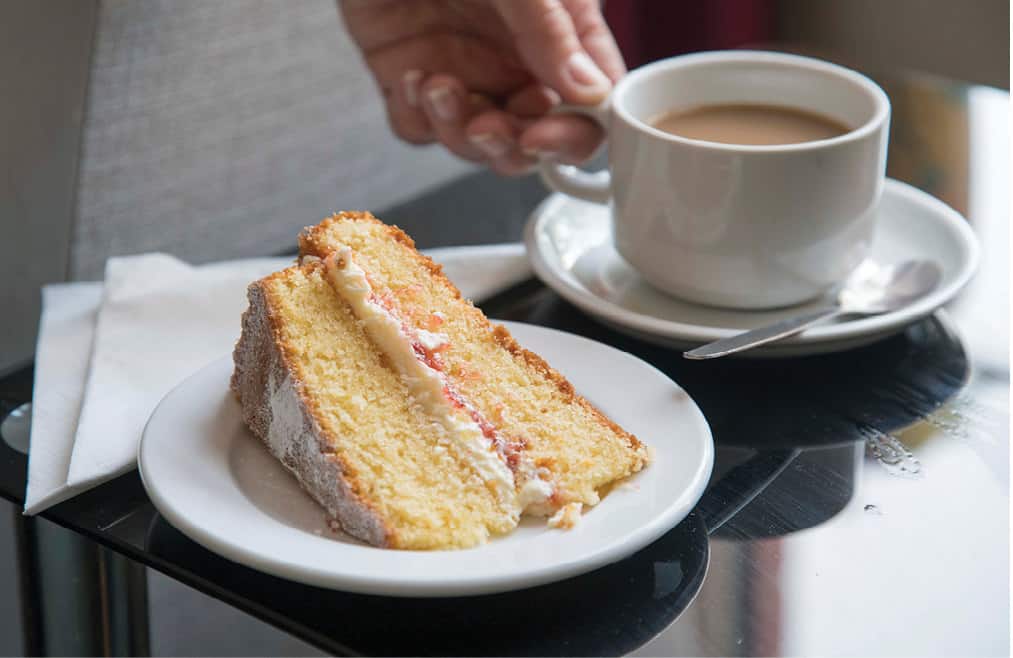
(215, 482)
(570, 246)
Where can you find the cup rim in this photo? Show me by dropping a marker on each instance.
(873, 124)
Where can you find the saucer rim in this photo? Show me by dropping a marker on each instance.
(563, 282)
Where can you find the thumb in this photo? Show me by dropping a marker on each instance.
(545, 37)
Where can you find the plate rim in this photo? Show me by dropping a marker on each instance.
(404, 586)
(814, 339)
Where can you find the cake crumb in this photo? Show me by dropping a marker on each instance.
(629, 486)
(566, 517)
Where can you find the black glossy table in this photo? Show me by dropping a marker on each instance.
(859, 502)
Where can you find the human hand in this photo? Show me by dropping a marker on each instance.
(479, 76)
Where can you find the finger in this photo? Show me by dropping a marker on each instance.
(448, 107)
(534, 100)
(407, 119)
(596, 37)
(546, 38)
(479, 103)
(514, 163)
(495, 133)
(411, 88)
(565, 138)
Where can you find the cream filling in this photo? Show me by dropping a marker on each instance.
(567, 517)
(430, 340)
(534, 490)
(426, 384)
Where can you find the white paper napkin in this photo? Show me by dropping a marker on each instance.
(155, 321)
(61, 366)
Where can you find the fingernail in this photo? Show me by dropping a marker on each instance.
(411, 81)
(443, 102)
(582, 70)
(541, 154)
(490, 144)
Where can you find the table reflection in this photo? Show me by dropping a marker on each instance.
(610, 611)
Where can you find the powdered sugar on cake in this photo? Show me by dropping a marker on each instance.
(273, 410)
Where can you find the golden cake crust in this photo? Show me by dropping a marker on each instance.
(505, 339)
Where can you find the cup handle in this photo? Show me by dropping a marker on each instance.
(595, 186)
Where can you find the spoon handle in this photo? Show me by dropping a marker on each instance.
(761, 336)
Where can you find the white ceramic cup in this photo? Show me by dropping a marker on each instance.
(738, 226)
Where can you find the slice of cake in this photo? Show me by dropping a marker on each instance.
(401, 410)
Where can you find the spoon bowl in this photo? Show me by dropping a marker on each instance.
(874, 288)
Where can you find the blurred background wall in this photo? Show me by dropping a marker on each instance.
(45, 55)
(966, 40)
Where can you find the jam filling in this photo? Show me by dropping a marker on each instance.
(509, 450)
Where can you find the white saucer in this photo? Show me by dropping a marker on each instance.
(570, 246)
(214, 481)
